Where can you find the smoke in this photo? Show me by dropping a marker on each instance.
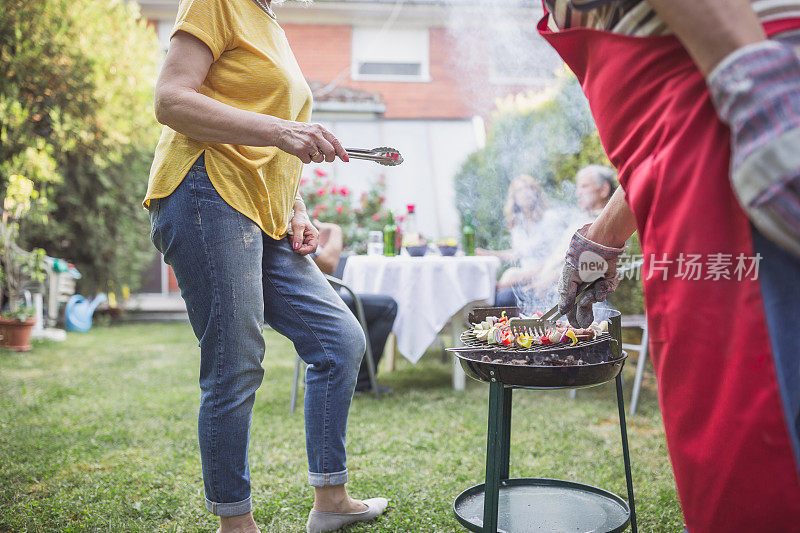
(498, 38)
(543, 262)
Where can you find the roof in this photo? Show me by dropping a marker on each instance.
(331, 97)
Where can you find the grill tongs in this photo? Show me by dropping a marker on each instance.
(539, 326)
(382, 155)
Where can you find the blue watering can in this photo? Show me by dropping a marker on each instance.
(78, 312)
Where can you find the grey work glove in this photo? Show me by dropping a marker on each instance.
(755, 92)
(586, 262)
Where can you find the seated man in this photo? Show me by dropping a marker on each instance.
(379, 310)
(594, 185)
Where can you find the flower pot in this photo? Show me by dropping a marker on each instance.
(16, 334)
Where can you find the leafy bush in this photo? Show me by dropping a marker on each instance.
(628, 299)
(19, 269)
(76, 86)
(334, 203)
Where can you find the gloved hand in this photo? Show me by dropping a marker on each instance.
(586, 262)
(754, 90)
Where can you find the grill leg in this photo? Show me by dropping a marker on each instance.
(505, 434)
(625, 454)
(494, 453)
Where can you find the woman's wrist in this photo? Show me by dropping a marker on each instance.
(271, 130)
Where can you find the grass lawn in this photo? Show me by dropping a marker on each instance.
(99, 433)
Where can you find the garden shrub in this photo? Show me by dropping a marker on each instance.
(76, 117)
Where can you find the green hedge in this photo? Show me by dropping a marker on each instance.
(76, 117)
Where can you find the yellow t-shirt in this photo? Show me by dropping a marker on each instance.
(254, 69)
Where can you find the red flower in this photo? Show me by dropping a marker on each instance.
(321, 191)
(344, 191)
(339, 209)
(303, 181)
(333, 189)
(375, 217)
(381, 198)
(319, 172)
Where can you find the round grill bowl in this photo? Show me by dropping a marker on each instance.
(539, 377)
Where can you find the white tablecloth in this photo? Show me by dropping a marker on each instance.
(429, 290)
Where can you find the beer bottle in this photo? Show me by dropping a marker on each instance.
(389, 237)
(468, 235)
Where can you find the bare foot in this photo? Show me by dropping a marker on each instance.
(238, 524)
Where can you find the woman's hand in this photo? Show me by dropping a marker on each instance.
(309, 141)
(305, 236)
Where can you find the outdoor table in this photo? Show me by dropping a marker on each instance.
(429, 291)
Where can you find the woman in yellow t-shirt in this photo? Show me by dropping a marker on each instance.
(222, 195)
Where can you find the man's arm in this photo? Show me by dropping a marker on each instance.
(615, 224)
(710, 29)
(605, 239)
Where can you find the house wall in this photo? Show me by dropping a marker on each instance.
(324, 54)
(433, 151)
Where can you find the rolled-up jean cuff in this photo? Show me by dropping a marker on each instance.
(229, 509)
(327, 480)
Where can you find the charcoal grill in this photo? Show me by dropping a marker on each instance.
(520, 505)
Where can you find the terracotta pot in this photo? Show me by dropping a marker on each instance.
(15, 334)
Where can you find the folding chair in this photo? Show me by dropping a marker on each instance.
(637, 321)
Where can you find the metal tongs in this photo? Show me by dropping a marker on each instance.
(383, 155)
(539, 326)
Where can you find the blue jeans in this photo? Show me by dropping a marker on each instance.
(233, 278)
(379, 312)
(779, 276)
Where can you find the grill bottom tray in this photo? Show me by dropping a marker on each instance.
(545, 505)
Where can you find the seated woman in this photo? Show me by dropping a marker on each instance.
(379, 310)
(534, 231)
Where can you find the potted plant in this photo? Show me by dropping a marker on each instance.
(19, 269)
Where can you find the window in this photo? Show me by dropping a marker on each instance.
(391, 55)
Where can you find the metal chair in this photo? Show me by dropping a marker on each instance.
(633, 321)
(338, 284)
(637, 321)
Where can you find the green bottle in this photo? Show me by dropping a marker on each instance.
(468, 235)
(389, 237)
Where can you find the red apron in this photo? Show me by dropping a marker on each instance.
(724, 423)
